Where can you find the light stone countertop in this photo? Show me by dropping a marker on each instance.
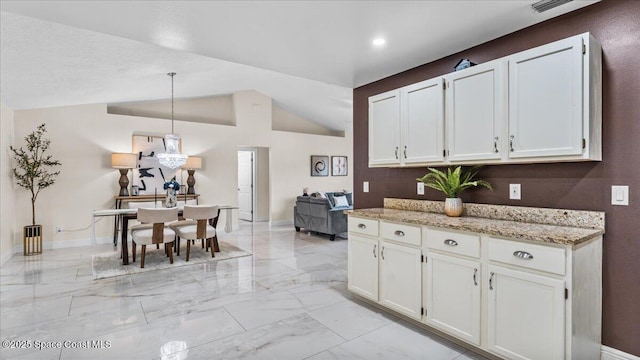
(557, 234)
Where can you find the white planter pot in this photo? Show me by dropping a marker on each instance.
(453, 207)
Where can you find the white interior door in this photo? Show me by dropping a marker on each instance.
(245, 185)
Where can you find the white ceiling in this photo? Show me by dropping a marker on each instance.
(306, 55)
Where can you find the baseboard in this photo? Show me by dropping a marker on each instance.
(615, 354)
(63, 244)
(8, 255)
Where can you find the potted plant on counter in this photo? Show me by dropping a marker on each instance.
(33, 172)
(452, 183)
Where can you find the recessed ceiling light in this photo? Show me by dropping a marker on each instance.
(378, 42)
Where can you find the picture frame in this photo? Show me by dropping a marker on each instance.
(149, 175)
(319, 165)
(339, 166)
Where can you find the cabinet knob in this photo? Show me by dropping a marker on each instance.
(405, 151)
(451, 242)
(475, 280)
(523, 255)
(374, 251)
(511, 143)
(382, 253)
(396, 152)
(362, 226)
(495, 145)
(399, 233)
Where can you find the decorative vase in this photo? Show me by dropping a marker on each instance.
(171, 200)
(453, 207)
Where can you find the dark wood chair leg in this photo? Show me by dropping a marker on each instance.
(178, 246)
(213, 249)
(144, 250)
(157, 246)
(215, 243)
(188, 249)
(133, 249)
(170, 253)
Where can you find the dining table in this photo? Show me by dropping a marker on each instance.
(126, 215)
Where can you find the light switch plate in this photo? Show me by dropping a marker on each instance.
(365, 186)
(420, 188)
(514, 192)
(620, 195)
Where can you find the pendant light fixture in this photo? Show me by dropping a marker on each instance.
(172, 158)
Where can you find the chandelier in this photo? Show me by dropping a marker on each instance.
(172, 158)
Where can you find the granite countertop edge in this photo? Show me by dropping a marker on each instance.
(564, 235)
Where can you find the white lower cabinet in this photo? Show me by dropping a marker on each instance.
(526, 315)
(363, 266)
(401, 279)
(452, 294)
(516, 299)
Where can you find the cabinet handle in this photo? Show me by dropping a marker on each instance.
(362, 226)
(495, 145)
(491, 281)
(396, 152)
(374, 251)
(511, 143)
(382, 253)
(523, 255)
(475, 280)
(405, 151)
(451, 242)
(399, 233)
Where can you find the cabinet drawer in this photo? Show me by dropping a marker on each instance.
(453, 242)
(363, 226)
(401, 233)
(539, 257)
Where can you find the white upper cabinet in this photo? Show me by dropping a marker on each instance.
(384, 128)
(422, 122)
(539, 105)
(550, 111)
(406, 126)
(475, 110)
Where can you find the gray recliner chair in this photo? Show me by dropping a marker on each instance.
(323, 215)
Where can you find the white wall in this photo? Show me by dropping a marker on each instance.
(83, 138)
(7, 200)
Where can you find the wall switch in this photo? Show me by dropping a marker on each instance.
(420, 188)
(619, 195)
(514, 192)
(365, 186)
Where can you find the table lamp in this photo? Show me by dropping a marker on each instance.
(193, 163)
(123, 162)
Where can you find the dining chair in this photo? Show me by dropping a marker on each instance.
(197, 226)
(153, 231)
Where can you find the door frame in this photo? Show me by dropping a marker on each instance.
(254, 156)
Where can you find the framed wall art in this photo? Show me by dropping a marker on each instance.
(319, 165)
(339, 166)
(149, 176)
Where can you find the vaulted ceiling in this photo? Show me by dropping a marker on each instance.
(306, 55)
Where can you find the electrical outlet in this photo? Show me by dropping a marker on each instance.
(420, 188)
(365, 186)
(514, 192)
(58, 229)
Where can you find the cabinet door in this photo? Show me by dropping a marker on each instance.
(363, 266)
(401, 279)
(452, 296)
(526, 315)
(384, 128)
(545, 100)
(476, 106)
(422, 122)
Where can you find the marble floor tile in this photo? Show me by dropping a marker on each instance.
(351, 319)
(294, 338)
(393, 341)
(289, 300)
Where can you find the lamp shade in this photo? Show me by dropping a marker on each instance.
(123, 160)
(193, 162)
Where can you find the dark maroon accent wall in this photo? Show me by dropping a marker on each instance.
(580, 186)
